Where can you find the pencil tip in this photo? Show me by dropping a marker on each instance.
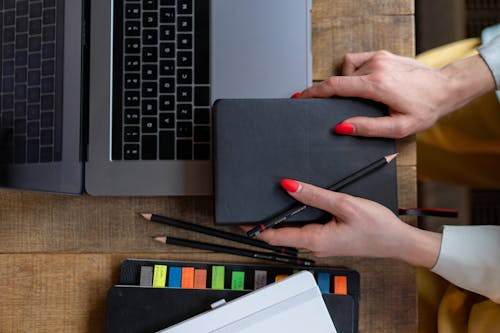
(161, 239)
(389, 158)
(147, 216)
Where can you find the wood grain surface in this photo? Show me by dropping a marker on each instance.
(59, 255)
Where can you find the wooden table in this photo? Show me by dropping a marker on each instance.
(59, 255)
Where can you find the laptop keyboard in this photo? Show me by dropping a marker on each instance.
(161, 91)
(30, 72)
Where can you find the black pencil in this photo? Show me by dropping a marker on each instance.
(299, 207)
(236, 251)
(218, 233)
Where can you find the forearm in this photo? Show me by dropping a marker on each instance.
(468, 79)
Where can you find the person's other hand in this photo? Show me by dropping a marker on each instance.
(417, 95)
(359, 227)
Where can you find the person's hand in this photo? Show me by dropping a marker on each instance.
(359, 227)
(417, 95)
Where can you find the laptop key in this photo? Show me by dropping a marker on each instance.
(132, 81)
(167, 15)
(167, 50)
(202, 134)
(46, 137)
(19, 149)
(167, 120)
(167, 145)
(33, 150)
(184, 149)
(167, 102)
(149, 125)
(131, 151)
(132, 116)
(132, 133)
(133, 63)
(202, 116)
(34, 77)
(132, 98)
(133, 11)
(20, 126)
(202, 151)
(150, 19)
(149, 89)
(184, 129)
(184, 59)
(34, 60)
(184, 111)
(201, 96)
(133, 28)
(35, 26)
(48, 50)
(149, 107)
(185, 76)
(33, 112)
(34, 95)
(149, 54)
(148, 147)
(35, 10)
(184, 94)
(47, 102)
(33, 129)
(46, 154)
(167, 32)
(184, 41)
(46, 120)
(167, 67)
(150, 4)
(184, 7)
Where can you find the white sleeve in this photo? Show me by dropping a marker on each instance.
(470, 258)
(490, 52)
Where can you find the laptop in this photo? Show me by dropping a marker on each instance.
(113, 97)
(293, 304)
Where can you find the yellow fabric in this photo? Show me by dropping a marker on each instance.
(445, 308)
(464, 147)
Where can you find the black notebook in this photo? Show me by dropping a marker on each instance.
(259, 142)
(135, 309)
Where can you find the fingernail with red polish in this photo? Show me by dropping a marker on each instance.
(344, 128)
(290, 185)
(296, 95)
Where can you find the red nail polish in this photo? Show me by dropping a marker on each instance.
(296, 95)
(290, 185)
(344, 128)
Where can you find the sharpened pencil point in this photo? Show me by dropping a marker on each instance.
(147, 216)
(161, 239)
(389, 158)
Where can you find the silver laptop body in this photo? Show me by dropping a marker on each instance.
(258, 49)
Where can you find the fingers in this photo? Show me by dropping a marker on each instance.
(338, 204)
(345, 86)
(393, 126)
(306, 237)
(353, 61)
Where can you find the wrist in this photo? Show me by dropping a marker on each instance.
(468, 79)
(420, 247)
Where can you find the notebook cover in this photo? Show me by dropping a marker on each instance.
(137, 309)
(145, 310)
(261, 141)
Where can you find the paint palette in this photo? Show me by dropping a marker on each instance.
(149, 287)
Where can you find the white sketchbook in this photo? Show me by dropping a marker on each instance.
(292, 305)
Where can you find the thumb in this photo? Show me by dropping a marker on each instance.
(335, 203)
(392, 126)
